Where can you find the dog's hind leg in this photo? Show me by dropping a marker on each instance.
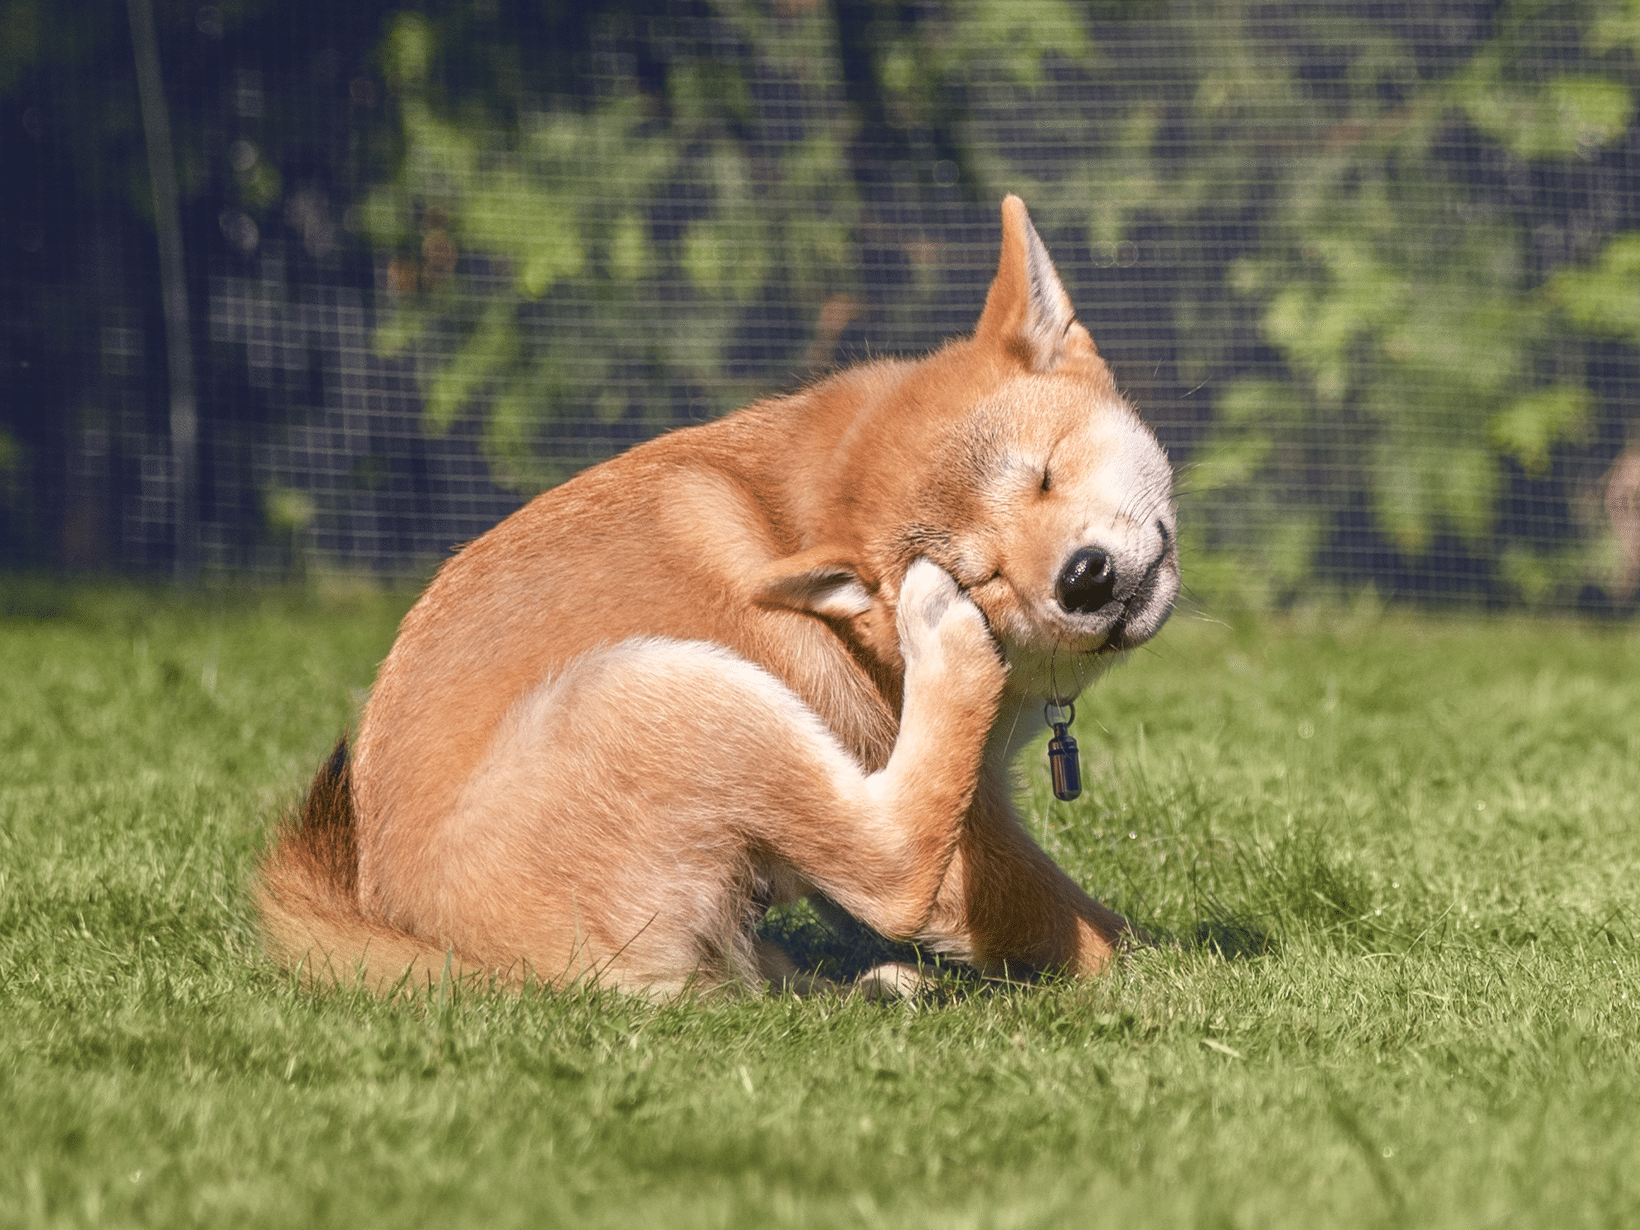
(634, 814)
(885, 866)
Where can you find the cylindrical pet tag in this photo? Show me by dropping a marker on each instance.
(1063, 760)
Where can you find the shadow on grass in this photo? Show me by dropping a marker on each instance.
(1238, 900)
(1231, 937)
(824, 940)
(1250, 898)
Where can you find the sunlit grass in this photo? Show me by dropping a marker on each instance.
(1391, 862)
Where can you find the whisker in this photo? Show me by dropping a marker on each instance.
(1013, 726)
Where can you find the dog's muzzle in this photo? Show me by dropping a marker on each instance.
(1131, 598)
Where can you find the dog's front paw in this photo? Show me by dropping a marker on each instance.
(940, 625)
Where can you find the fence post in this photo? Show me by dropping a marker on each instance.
(156, 125)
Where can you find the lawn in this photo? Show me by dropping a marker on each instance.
(1391, 861)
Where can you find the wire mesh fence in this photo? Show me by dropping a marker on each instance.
(1370, 270)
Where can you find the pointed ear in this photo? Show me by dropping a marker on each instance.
(816, 582)
(1027, 312)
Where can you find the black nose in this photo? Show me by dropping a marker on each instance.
(1087, 583)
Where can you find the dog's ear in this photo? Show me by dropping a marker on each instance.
(816, 581)
(1027, 313)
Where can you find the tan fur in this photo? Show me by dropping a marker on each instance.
(749, 661)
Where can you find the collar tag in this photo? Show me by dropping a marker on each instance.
(1063, 760)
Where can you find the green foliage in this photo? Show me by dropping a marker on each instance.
(1390, 862)
(565, 218)
(1422, 349)
(543, 309)
(1411, 228)
(1605, 298)
(1427, 352)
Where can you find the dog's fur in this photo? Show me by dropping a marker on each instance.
(787, 652)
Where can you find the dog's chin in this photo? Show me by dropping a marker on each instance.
(1055, 673)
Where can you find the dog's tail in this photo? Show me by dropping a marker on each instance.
(308, 895)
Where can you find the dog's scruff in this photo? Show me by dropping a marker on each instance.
(787, 652)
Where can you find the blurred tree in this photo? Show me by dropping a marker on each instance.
(1373, 185)
(738, 151)
(1407, 180)
(1389, 249)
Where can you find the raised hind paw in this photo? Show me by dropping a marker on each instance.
(941, 630)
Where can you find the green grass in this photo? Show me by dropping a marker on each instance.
(1392, 860)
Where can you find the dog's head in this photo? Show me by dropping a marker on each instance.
(1011, 460)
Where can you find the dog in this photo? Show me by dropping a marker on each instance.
(789, 652)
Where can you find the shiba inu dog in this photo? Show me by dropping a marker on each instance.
(791, 651)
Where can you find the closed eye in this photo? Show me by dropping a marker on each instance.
(1047, 480)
